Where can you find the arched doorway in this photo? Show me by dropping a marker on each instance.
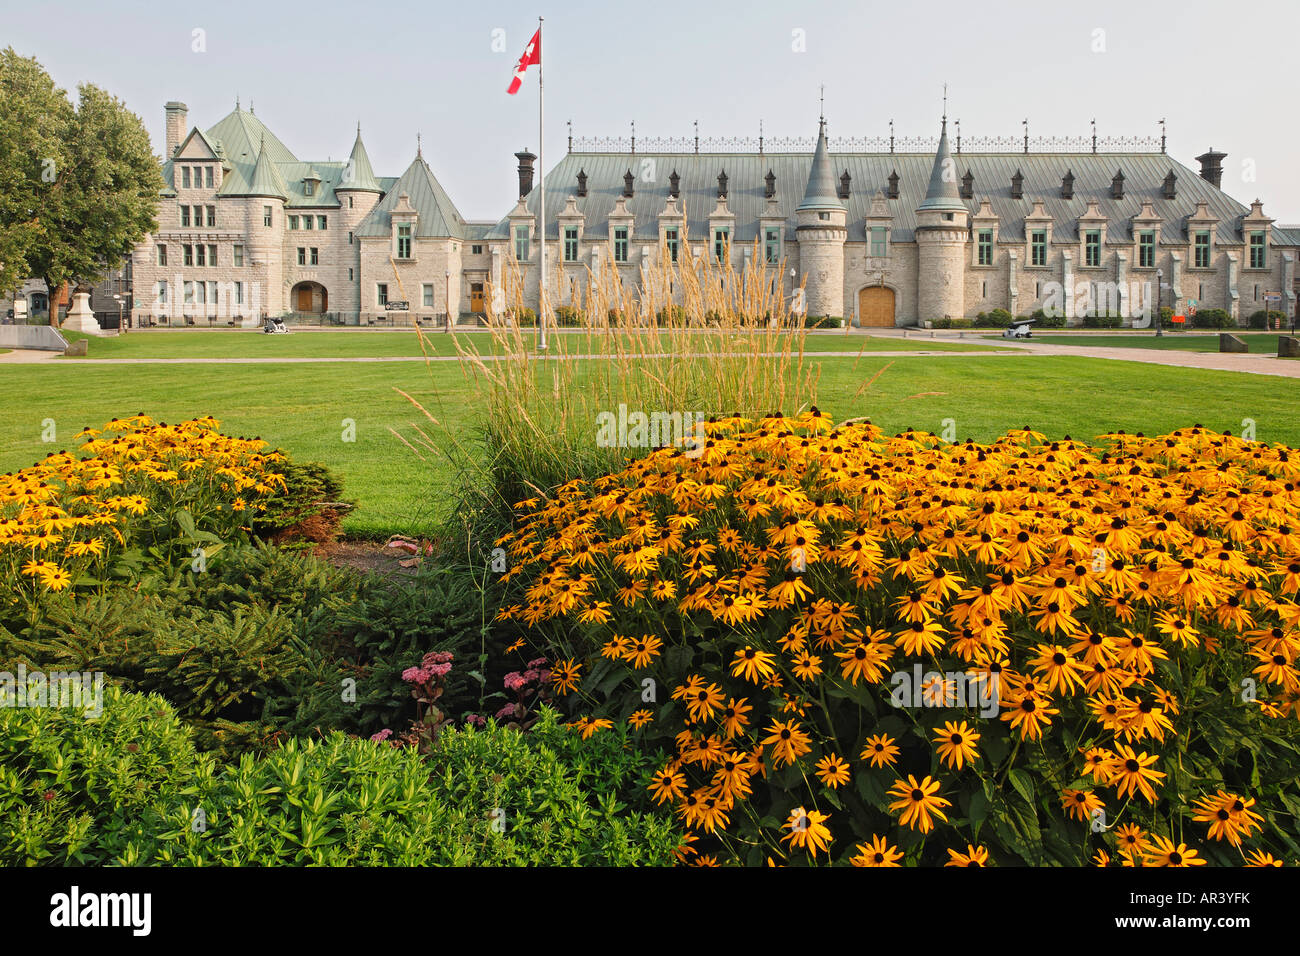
(309, 297)
(876, 307)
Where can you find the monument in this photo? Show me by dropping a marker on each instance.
(79, 317)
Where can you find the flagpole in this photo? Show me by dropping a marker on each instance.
(541, 201)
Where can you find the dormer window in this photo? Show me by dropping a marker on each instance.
(1258, 259)
(1038, 247)
(308, 187)
(404, 242)
(1147, 249)
(824, 215)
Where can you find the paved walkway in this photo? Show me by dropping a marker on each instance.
(1253, 364)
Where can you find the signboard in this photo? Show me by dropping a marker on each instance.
(399, 306)
(1180, 319)
(1272, 296)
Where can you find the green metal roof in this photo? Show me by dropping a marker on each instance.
(821, 192)
(263, 180)
(242, 137)
(942, 193)
(438, 216)
(357, 172)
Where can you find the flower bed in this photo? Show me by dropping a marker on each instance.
(883, 650)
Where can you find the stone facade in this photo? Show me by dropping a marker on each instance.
(985, 231)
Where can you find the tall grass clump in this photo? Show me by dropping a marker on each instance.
(694, 337)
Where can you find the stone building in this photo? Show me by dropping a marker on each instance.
(877, 237)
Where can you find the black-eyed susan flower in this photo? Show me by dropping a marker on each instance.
(919, 802)
(880, 750)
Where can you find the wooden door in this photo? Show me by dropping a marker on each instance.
(476, 296)
(304, 299)
(876, 307)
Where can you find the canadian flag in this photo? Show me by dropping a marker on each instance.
(532, 54)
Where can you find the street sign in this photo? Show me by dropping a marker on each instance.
(1272, 296)
(398, 306)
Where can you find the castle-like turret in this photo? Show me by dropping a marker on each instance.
(821, 234)
(357, 191)
(942, 225)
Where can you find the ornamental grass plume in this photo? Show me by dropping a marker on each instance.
(1100, 640)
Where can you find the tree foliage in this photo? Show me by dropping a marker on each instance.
(78, 185)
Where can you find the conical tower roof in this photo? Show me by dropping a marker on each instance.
(264, 181)
(942, 193)
(821, 192)
(358, 174)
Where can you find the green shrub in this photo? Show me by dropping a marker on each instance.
(1044, 321)
(69, 784)
(1102, 322)
(944, 323)
(128, 788)
(959, 323)
(1262, 319)
(997, 319)
(566, 316)
(1213, 319)
(310, 508)
(523, 316)
(822, 321)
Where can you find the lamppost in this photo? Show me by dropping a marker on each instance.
(120, 302)
(447, 296)
(1160, 288)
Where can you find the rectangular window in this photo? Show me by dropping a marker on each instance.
(162, 292)
(620, 244)
(476, 250)
(720, 237)
(199, 259)
(207, 176)
(878, 245)
(350, 202)
(212, 255)
(1038, 248)
(239, 256)
(315, 256)
(1257, 260)
(404, 242)
(239, 293)
(309, 188)
(212, 215)
(521, 243)
(293, 222)
(984, 247)
(349, 238)
(670, 237)
(306, 222)
(772, 246)
(1147, 249)
(349, 273)
(189, 293)
(428, 295)
(1092, 248)
(188, 257)
(212, 293)
(198, 216)
(570, 244)
(322, 222)
(266, 216)
(162, 255)
(302, 256)
(381, 293)
(185, 215)
(1202, 256)
(185, 177)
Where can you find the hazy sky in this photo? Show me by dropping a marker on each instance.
(1221, 74)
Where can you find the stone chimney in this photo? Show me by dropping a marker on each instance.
(1212, 166)
(525, 172)
(177, 113)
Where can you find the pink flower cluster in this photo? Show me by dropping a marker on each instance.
(476, 720)
(436, 664)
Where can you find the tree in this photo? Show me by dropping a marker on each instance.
(92, 179)
(33, 115)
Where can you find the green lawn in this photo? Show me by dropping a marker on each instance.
(250, 343)
(302, 407)
(1261, 342)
